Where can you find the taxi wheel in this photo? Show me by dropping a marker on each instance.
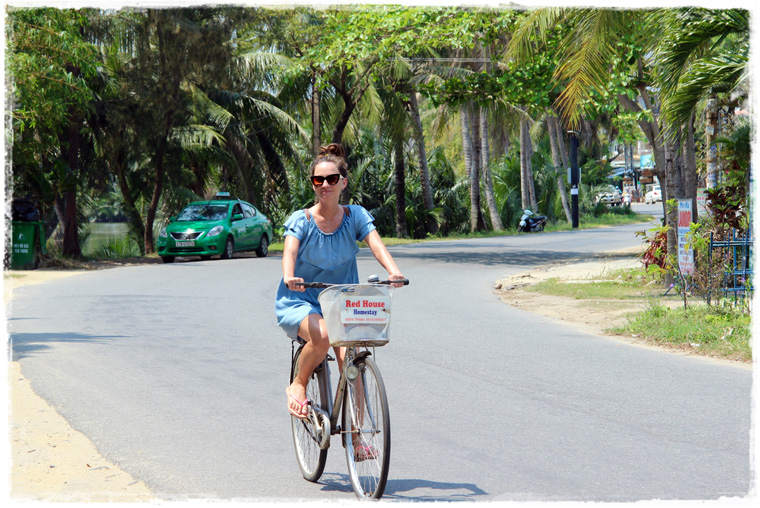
(263, 247)
(167, 259)
(229, 248)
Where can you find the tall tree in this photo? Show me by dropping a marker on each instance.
(173, 48)
(50, 64)
(419, 142)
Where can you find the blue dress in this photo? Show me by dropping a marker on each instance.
(322, 257)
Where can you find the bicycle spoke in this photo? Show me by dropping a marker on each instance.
(306, 440)
(367, 429)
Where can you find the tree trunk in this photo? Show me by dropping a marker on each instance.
(553, 124)
(673, 183)
(561, 144)
(158, 187)
(70, 152)
(711, 132)
(524, 158)
(464, 116)
(133, 214)
(419, 137)
(316, 119)
(531, 179)
(477, 222)
(526, 171)
(400, 173)
(493, 210)
(690, 168)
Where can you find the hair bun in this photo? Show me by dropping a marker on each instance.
(332, 149)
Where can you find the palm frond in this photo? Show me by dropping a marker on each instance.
(529, 30)
(586, 59)
(693, 33)
(197, 136)
(717, 75)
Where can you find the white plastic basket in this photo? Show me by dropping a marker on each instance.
(357, 314)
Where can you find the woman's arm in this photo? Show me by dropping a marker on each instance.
(289, 255)
(382, 255)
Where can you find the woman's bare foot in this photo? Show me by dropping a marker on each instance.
(297, 401)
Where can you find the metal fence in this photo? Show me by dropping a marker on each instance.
(736, 251)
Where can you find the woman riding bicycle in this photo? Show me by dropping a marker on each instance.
(320, 245)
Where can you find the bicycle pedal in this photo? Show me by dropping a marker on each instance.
(330, 358)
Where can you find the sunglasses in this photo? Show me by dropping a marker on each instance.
(331, 179)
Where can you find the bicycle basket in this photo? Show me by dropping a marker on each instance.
(357, 314)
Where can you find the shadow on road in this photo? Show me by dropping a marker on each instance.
(410, 490)
(26, 344)
(491, 257)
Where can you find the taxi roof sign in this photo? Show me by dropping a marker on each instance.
(222, 195)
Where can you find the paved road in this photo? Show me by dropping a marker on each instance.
(177, 373)
(654, 209)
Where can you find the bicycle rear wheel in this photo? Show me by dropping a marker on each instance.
(367, 432)
(306, 437)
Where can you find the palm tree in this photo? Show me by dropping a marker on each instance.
(704, 55)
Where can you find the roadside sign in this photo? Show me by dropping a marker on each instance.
(685, 256)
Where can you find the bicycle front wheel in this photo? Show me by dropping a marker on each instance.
(306, 436)
(367, 432)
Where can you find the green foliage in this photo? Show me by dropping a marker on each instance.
(377, 33)
(228, 91)
(49, 63)
(655, 256)
(115, 248)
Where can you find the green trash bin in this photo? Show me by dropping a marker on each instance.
(27, 244)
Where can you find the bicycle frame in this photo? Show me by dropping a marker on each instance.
(332, 412)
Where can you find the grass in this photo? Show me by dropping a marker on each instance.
(710, 330)
(595, 290)
(719, 331)
(622, 284)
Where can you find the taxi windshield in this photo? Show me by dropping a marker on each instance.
(203, 212)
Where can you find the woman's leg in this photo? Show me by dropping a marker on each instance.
(314, 331)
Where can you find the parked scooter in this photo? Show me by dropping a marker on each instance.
(530, 222)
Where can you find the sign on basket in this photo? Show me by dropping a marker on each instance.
(365, 310)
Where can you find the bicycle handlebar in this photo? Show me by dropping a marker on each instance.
(323, 285)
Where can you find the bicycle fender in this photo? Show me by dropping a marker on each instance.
(360, 357)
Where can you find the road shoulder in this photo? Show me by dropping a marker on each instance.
(49, 460)
(596, 317)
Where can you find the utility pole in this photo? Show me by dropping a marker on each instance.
(575, 176)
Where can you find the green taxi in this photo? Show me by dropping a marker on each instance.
(220, 227)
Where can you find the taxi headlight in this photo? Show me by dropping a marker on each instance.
(215, 231)
(162, 234)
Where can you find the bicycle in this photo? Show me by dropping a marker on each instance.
(358, 318)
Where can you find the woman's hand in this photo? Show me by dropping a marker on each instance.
(292, 282)
(397, 276)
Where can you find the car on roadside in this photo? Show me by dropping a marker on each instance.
(610, 196)
(221, 227)
(654, 195)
